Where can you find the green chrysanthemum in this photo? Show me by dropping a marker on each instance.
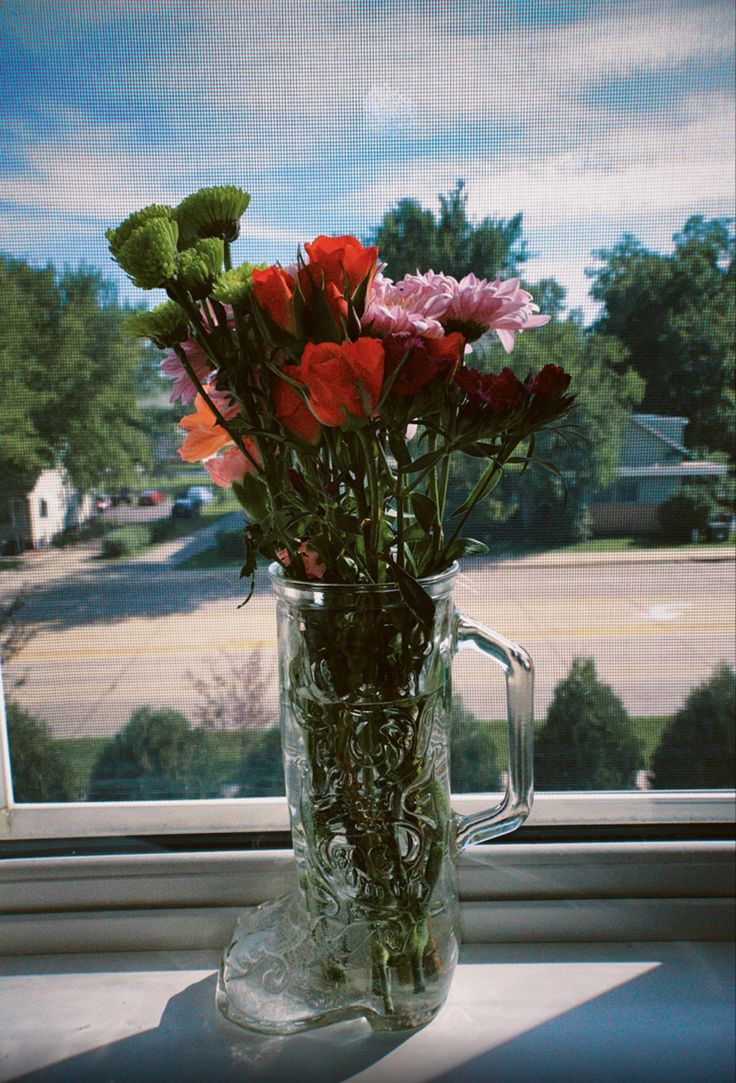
(118, 236)
(165, 325)
(212, 212)
(149, 254)
(200, 265)
(233, 287)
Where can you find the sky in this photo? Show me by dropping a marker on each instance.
(592, 118)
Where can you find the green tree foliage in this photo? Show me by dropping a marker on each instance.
(683, 514)
(39, 771)
(70, 378)
(261, 772)
(540, 506)
(474, 755)
(587, 742)
(698, 747)
(675, 314)
(156, 757)
(410, 239)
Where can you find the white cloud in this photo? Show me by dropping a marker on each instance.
(398, 99)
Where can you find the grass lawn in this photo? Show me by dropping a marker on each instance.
(226, 748)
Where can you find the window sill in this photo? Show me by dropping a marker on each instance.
(516, 892)
(618, 1012)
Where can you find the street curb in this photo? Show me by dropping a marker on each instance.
(579, 560)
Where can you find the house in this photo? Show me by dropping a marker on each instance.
(32, 515)
(655, 464)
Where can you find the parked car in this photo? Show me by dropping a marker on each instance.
(150, 497)
(122, 496)
(200, 494)
(102, 502)
(184, 508)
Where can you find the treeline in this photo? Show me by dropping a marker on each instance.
(664, 344)
(71, 379)
(587, 742)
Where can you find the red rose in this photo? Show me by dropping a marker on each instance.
(427, 359)
(338, 265)
(273, 290)
(343, 378)
(291, 409)
(551, 382)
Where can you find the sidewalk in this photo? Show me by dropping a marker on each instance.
(47, 565)
(556, 559)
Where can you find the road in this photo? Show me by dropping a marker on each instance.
(110, 638)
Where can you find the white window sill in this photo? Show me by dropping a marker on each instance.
(515, 892)
(640, 1013)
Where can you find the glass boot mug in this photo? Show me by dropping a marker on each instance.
(366, 710)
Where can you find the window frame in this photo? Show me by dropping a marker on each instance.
(94, 819)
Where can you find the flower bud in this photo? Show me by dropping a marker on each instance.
(200, 265)
(212, 212)
(233, 287)
(149, 255)
(117, 237)
(165, 325)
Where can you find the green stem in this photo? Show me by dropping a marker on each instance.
(232, 433)
(375, 503)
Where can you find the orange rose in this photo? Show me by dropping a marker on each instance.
(338, 265)
(273, 290)
(291, 409)
(343, 378)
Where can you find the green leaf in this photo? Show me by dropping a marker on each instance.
(414, 594)
(488, 481)
(425, 510)
(398, 447)
(530, 451)
(465, 547)
(424, 462)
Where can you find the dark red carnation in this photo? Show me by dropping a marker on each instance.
(551, 382)
(502, 392)
(421, 359)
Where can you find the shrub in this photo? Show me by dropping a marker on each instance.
(588, 742)
(682, 515)
(261, 772)
(163, 530)
(125, 542)
(39, 771)
(156, 757)
(474, 755)
(697, 748)
(230, 544)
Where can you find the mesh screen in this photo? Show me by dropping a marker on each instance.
(588, 148)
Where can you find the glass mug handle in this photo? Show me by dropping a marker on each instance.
(519, 671)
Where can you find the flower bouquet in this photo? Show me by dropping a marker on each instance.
(333, 401)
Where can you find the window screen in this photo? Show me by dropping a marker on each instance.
(587, 149)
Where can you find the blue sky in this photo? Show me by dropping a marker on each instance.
(591, 118)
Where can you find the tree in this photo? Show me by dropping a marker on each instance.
(539, 506)
(39, 771)
(587, 742)
(697, 748)
(70, 378)
(156, 757)
(410, 239)
(261, 772)
(675, 315)
(474, 756)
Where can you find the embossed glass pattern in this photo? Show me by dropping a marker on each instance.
(372, 928)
